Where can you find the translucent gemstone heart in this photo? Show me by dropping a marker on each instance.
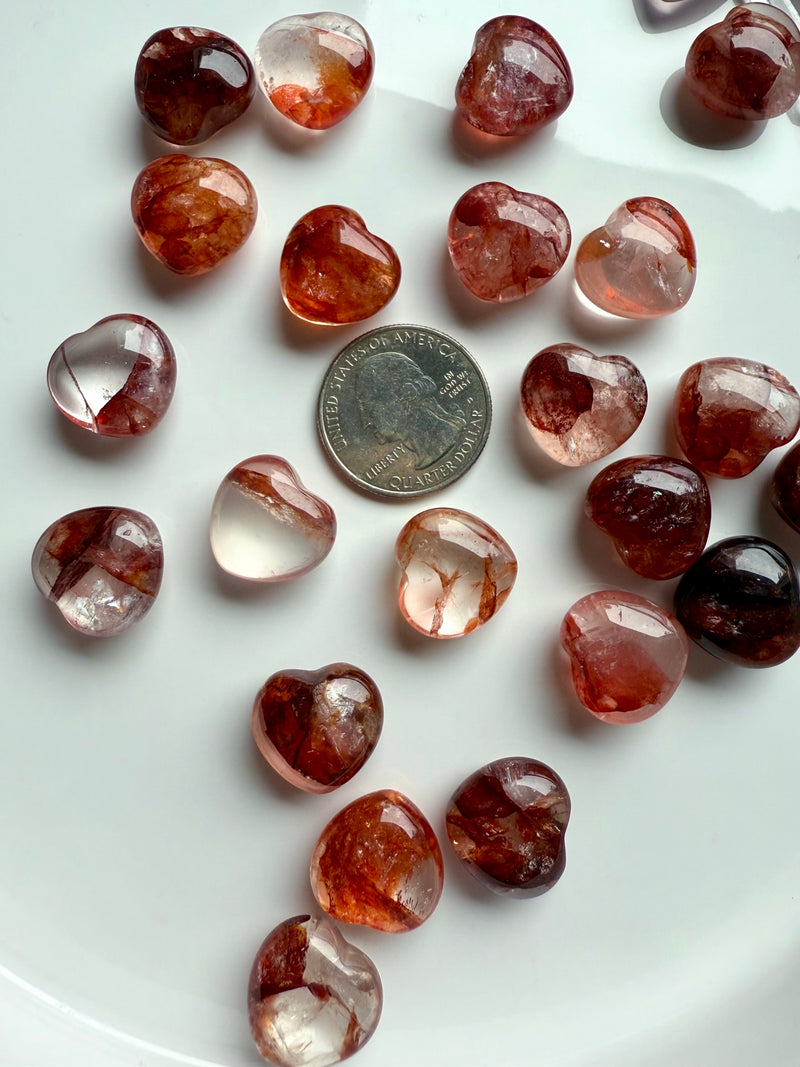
(315, 69)
(785, 488)
(748, 65)
(317, 728)
(101, 567)
(740, 602)
(457, 572)
(190, 82)
(641, 264)
(505, 244)
(116, 378)
(192, 212)
(516, 79)
(378, 863)
(313, 998)
(334, 271)
(730, 413)
(265, 525)
(579, 407)
(507, 822)
(657, 511)
(627, 655)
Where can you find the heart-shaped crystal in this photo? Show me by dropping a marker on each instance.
(334, 271)
(315, 69)
(516, 79)
(504, 243)
(627, 654)
(101, 567)
(457, 572)
(313, 998)
(265, 525)
(378, 863)
(641, 264)
(579, 407)
(317, 728)
(116, 378)
(193, 212)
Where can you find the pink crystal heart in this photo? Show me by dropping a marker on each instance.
(313, 998)
(334, 271)
(116, 378)
(627, 655)
(516, 79)
(730, 413)
(641, 264)
(101, 567)
(457, 572)
(378, 863)
(504, 243)
(265, 525)
(317, 728)
(579, 407)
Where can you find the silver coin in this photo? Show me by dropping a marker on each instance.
(404, 410)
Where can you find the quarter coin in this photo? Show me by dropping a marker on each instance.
(404, 410)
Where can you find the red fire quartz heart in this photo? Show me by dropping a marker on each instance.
(516, 79)
(748, 65)
(627, 655)
(315, 69)
(190, 82)
(507, 822)
(101, 567)
(193, 212)
(579, 407)
(313, 998)
(334, 271)
(505, 244)
(740, 602)
(116, 378)
(730, 413)
(657, 511)
(378, 863)
(641, 264)
(785, 488)
(265, 525)
(457, 572)
(317, 728)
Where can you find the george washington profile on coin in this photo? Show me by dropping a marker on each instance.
(397, 402)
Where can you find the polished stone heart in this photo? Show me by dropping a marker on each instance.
(190, 82)
(315, 69)
(641, 264)
(116, 378)
(740, 601)
(317, 728)
(748, 65)
(627, 655)
(505, 244)
(506, 824)
(657, 511)
(730, 413)
(265, 525)
(313, 998)
(193, 212)
(101, 567)
(378, 863)
(334, 271)
(516, 79)
(457, 572)
(579, 407)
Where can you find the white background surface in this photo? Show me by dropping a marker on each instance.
(145, 851)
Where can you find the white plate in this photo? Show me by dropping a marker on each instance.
(145, 850)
